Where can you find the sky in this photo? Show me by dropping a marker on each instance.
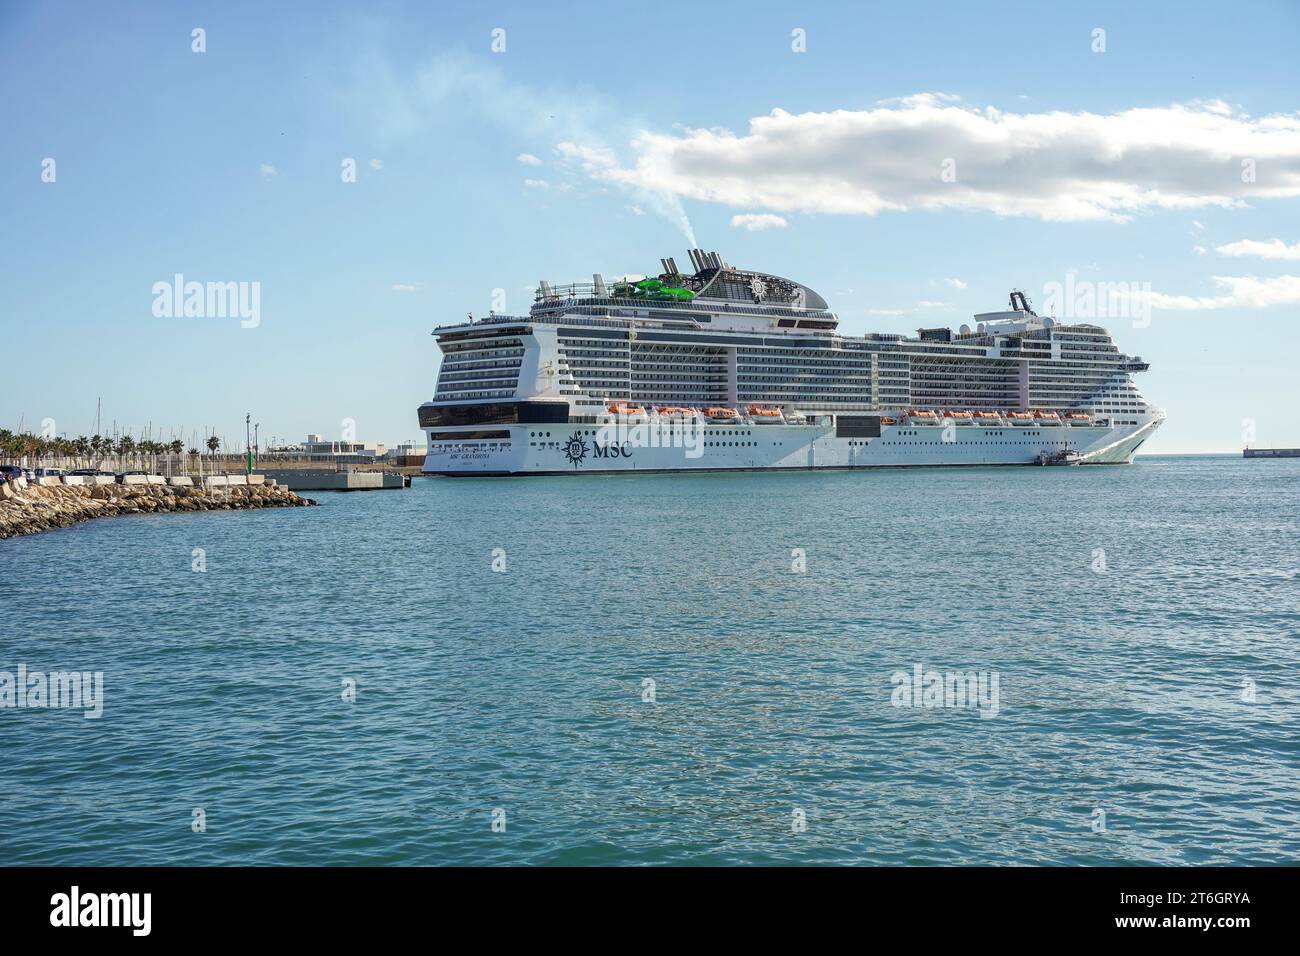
(912, 164)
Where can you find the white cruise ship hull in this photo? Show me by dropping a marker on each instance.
(586, 449)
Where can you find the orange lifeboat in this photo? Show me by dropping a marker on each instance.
(625, 410)
(1047, 418)
(1020, 418)
(1078, 418)
(722, 414)
(764, 416)
(671, 411)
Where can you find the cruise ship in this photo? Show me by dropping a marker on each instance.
(724, 369)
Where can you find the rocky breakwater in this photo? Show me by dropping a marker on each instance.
(28, 508)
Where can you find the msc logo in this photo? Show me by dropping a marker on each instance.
(612, 450)
(575, 449)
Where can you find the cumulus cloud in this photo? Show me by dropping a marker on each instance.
(1238, 292)
(1059, 166)
(376, 164)
(528, 159)
(406, 287)
(1264, 249)
(954, 283)
(757, 222)
(537, 184)
(267, 171)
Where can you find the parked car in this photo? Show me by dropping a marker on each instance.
(11, 472)
(50, 472)
(123, 474)
(92, 473)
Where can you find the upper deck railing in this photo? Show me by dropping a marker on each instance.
(577, 294)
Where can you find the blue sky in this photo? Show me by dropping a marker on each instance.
(225, 166)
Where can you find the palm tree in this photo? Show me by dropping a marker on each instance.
(125, 447)
(213, 444)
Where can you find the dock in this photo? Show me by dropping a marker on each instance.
(1270, 453)
(302, 479)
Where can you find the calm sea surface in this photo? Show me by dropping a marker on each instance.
(1163, 693)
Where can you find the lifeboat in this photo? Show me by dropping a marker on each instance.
(1046, 418)
(1020, 418)
(723, 415)
(988, 419)
(922, 417)
(1078, 418)
(675, 413)
(961, 418)
(626, 411)
(885, 420)
(765, 416)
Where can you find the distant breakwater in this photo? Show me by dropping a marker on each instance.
(28, 507)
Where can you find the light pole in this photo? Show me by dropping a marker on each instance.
(257, 447)
(248, 443)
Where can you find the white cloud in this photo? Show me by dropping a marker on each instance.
(1052, 165)
(1239, 292)
(1264, 249)
(886, 312)
(537, 184)
(1197, 225)
(930, 304)
(1199, 250)
(406, 287)
(376, 164)
(267, 171)
(636, 210)
(757, 222)
(954, 283)
(528, 159)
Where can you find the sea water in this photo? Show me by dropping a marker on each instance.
(680, 669)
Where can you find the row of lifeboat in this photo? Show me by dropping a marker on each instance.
(1026, 418)
(771, 415)
(756, 414)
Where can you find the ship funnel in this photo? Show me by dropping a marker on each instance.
(598, 285)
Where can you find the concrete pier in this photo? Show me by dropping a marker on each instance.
(296, 479)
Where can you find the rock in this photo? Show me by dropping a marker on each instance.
(29, 508)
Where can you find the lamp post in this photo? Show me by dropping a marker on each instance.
(248, 443)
